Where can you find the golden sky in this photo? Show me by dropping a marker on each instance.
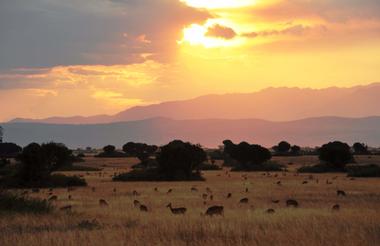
(103, 56)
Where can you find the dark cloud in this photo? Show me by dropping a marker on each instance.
(220, 31)
(42, 33)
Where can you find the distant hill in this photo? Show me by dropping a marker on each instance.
(275, 104)
(306, 132)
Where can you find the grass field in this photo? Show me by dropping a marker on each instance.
(312, 223)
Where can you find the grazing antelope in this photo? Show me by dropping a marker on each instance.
(53, 198)
(176, 210)
(243, 200)
(135, 193)
(328, 182)
(340, 193)
(66, 208)
(270, 211)
(103, 203)
(291, 202)
(215, 210)
(229, 195)
(194, 189)
(279, 182)
(169, 191)
(136, 203)
(275, 201)
(143, 208)
(336, 207)
(305, 182)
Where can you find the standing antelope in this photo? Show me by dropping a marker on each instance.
(143, 208)
(229, 195)
(340, 193)
(243, 200)
(176, 210)
(103, 203)
(270, 211)
(291, 202)
(136, 203)
(336, 207)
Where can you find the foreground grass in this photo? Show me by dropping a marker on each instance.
(313, 223)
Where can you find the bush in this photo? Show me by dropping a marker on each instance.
(15, 203)
(154, 174)
(320, 168)
(269, 166)
(209, 167)
(60, 180)
(366, 171)
(114, 154)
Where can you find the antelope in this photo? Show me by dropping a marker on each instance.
(136, 203)
(276, 175)
(156, 189)
(103, 203)
(215, 210)
(270, 211)
(53, 198)
(291, 202)
(143, 208)
(169, 191)
(114, 190)
(229, 195)
(340, 193)
(275, 201)
(304, 182)
(336, 207)
(211, 197)
(135, 193)
(246, 190)
(66, 208)
(244, 200)
(204, 196)
(194, 189)
(279, 182)
(208, 190)
(69, 197)
(176, 210)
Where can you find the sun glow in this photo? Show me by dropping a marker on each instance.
(219, 4)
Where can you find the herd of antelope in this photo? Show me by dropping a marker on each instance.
(208, 194)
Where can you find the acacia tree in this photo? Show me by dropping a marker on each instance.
(140, 150)
(360, 149)
(248, 155)
(180, 158)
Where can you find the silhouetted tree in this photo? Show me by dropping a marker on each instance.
(248, 154)
(336, 154)
(295, 150)
(140, 150)
(360, 149)
(109, 149)
(38, 161)
(1, 134)
(180, 158)
(282, 147)
(9, 150)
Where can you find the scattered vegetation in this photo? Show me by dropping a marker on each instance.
(10, 202)
(109, 151)
(364, 171)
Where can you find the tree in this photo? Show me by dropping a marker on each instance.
(180, 158)
(140, 150)
(1, 134)
(360, 149)
(38, 161)
(283, 147)
(295, 150)
(336, 154)
(9, 150)
(248, 154)
(109, 149)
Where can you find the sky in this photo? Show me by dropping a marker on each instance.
(88, 57)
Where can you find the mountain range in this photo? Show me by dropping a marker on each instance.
(208, 132)
(272, 104)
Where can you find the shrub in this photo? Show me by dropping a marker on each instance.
(209, 167)
(320, 168)
(371, 170)
(155, 174)
(15, 203)
(269, 166)
(336, 154)
(60, 180)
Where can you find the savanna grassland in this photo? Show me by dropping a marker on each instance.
(120, 223)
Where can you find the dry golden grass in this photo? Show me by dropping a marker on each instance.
(313, 223)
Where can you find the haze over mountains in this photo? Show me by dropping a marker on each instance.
(274, 104)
